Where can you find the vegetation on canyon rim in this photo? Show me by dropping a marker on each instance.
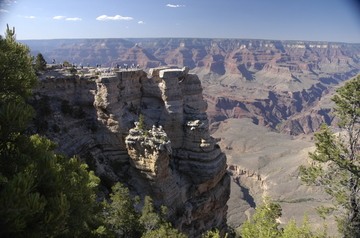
(40, 192)
(47, 194)
(264, 224)
(336, 165)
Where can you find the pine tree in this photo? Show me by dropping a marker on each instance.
(263, 223)
(154, 224)
(336, 160)
(121, 216)
(142, 125)
(122, 219)
(17, 77)
(149, 218)
(165, 230)
(213, 234)
(41, 194)
(40, 63)
(291, 230)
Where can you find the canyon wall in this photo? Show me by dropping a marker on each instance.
(278, 84)
(248, 84)
(262, 164)
(170, 156)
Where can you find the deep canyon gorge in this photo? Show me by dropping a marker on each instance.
(252, 103)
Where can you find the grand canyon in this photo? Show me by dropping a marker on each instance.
(256, 101)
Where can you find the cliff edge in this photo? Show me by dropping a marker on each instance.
(170, 156)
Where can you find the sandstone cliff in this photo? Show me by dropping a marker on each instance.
(273, 82)
(174, 159)
(285, 86)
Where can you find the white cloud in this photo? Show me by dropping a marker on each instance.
(59, 17)
(116, 17)
(171, 5)
(73, 19)
(30, 17)
(141, 22)
(3, 10)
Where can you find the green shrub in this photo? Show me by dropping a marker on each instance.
(142, 125)
(66, 63)
(40, 63)
(146, 133)
(99, 99)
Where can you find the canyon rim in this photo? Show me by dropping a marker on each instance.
(264, 100)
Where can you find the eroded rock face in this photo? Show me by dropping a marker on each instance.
(173, 159)
(150, 152)
(272, 82)
(262, 164)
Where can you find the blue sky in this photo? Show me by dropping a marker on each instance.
(315, 20)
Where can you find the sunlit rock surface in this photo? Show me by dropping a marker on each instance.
(173, 159)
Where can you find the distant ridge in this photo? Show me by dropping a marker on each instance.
(109, 50)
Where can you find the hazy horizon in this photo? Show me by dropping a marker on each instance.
(151, 38)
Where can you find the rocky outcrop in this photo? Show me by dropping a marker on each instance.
(170, 157)
(248, 72)
(247, 58)
(254, 74)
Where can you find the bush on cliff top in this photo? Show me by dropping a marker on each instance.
(43, 194)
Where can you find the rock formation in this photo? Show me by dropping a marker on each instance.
(285, 86)
(170, 157)
(253, 75)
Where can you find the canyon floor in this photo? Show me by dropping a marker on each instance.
(265, 164)
(254, 89)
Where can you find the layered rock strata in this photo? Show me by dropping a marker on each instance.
(171, 157)
(272, 82)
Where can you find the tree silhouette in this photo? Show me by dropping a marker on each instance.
(336, 160)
